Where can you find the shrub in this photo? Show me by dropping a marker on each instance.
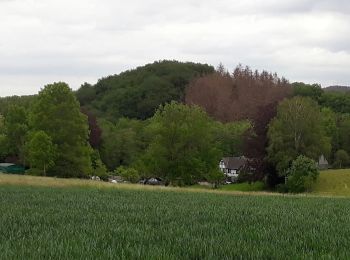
(100, 170)
(215, 177)
(302, 174)
(34, 172)
(128, 174)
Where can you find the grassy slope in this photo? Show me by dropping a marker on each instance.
(23, 180)
(94, 222)
(333, 182)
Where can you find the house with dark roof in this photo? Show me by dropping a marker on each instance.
(231, 167)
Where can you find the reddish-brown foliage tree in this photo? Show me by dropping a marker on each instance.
(245, 94)
(95, 130)
(237, 96)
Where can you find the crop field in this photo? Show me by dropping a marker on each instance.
(89, 222)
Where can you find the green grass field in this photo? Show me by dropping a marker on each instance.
(334, 183)
(44, 218)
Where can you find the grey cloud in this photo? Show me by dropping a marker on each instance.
(47, 40)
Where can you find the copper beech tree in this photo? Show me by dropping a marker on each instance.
(237, 96)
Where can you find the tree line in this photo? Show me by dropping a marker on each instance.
(55, 137)
(176, 121)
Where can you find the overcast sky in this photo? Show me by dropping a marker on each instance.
(76, 41)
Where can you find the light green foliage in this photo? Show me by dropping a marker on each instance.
(41, 151)
(341, 159)
(329, 120)
(128, 174)
(98, 168)
(302, 174)
(296, 130)
(230, 137)
(91, 223)
(122, 142)
(183, 149)
(215, 177)
(57, 113)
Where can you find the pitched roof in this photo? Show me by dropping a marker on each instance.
(234, 163)
(322, 160)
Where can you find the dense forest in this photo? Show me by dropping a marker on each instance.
(138, 93)
(175, 121)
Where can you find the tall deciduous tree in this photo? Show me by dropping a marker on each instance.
(41, 151)
(57, 113)
(183, 150)
(297, 130)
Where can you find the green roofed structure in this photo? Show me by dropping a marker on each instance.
(11, 168)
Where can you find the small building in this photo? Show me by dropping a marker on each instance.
(11, 168)
(322, 163)
(231, 167)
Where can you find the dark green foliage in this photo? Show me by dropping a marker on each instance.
(91, 223)
(22, 101)
(302, 174)
(338, 102)
(313, 91)
(138, 93)
(85, 94)
(122, 143)
(57, 113)
(15, 130)
(341, 159)
(344, 132)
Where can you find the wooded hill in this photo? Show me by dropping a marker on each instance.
(138, 93)
(343, 89)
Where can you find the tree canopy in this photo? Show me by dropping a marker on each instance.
(297, 130)
(41, 151)
(138, 93)
(57, 113)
